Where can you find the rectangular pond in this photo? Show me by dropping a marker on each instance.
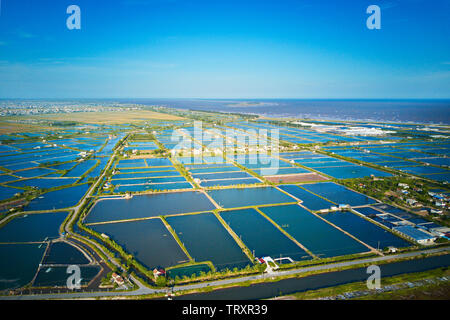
(229, 182)
(364, 230)
(18, 264)
(243, 197)
(261, 236)
(315, 234)
(311, 201)
(207, 240)
(58, 199)
(57, 276)
(225, 175)
(32, 227)
(153, 187)
(148, 205)
(338, 194)
(148, 241)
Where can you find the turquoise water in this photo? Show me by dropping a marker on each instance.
(206, 239)
(260, 236)
(315, 234)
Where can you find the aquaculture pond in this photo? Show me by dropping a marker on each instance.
(6, 193)
(225, 175)
(145, 170)
(213, 170)
(207, 240)
(354, 171)
(82, 168)
(364, 230)
(18, 264)
(242, 197)
(44, 183)
(31, 173)
(188, 271)
(32, 227)
(156, 186)
(315, 234)
(135, 163)
(261, 236)
(338, 194)
(147, 180)
(229, 182)
(158, 162)
(6, 178)
(280, 171)
(149, 205)
(145, 174)
(148, 240)
(64, 253)
(56, 276)
(58, 199)
(367, 211)
(311, 201)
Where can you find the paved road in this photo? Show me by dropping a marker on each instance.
(145, 290)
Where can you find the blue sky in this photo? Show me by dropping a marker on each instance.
(224, 49)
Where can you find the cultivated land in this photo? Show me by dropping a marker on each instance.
(8, 127)
(107, 117)
(111, 176)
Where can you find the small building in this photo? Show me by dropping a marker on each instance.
(416, 235)
(392, 249)
(159, 272)
(411, 202)
(117, 279)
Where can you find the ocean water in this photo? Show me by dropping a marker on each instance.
(417, 111)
